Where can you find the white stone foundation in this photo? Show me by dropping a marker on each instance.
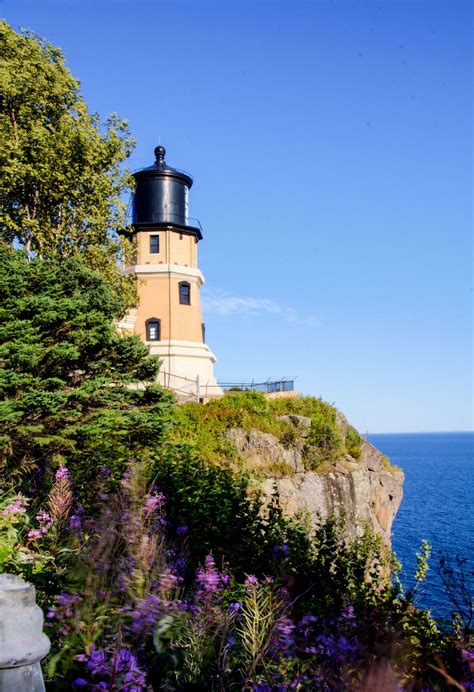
(187, 367)
(22, 642)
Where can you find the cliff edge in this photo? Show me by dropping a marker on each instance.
(367, 490)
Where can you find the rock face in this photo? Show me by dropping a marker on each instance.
(366, 490)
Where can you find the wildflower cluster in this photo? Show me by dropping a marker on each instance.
(107, 671)
(140, 615)
(26, 547)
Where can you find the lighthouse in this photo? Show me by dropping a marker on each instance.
(168, 316)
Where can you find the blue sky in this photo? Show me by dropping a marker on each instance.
(331, 148)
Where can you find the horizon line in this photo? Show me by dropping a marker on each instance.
(421, 432)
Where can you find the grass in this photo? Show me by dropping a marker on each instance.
(388, 466)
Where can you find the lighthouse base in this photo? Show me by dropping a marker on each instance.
(187, 367)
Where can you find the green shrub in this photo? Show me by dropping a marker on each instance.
(353, 443)
(388, 466)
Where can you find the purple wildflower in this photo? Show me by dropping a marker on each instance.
(35, 534)
(152, 504)
(225, 580)
(79, 682)
(122, 668)
(179, 565)
(234, 607)
(75, 522)
(251, 580)
(279, 550)
(45, 521)
(168, 580)
(97, 662)
(348, 613)
(143, 617)
(284, 639)
(125, 659)
(182, 530)
(285, 626)
(104, 472)
(66, 599)
(208, 577)
(65, 603)
(308, 620)
(62, 472)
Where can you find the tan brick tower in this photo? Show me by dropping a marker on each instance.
(168, 316)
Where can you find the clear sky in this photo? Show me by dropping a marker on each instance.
(331, 148)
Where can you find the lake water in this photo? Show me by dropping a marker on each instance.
(437, 504)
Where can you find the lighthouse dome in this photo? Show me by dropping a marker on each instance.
(161, 194)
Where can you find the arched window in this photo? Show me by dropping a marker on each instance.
(153, 329)
(184, 293)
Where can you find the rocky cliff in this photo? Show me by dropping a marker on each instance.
(367, 490)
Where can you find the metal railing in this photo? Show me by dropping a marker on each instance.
(268, 387)
(195, 388)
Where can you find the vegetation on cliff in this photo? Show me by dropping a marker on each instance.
(327, 442)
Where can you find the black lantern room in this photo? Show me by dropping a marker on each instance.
(161, 197)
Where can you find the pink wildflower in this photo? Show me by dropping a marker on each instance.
(154, 502)
(208, 577)
(44, 518)
(168, 580)
(15, 507)
(45, 521)
(35, 534)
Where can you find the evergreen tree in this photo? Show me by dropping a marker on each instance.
(72, 387)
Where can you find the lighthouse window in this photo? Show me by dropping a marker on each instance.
(153, 330)
(154, 244)
(184, 293)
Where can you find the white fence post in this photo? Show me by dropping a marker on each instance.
(22, 642)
